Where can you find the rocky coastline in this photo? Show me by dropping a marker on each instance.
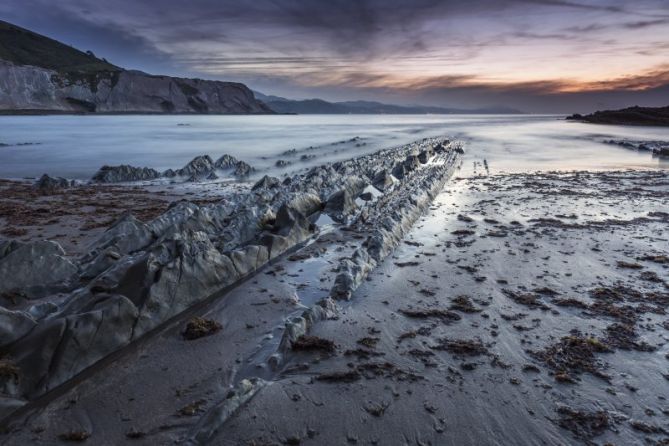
(641, 116)
(61, 315)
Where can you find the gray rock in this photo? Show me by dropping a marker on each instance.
(240, 168)
(383, 180)
(59, 348)
(243, 170)
(199, 166)
(7, 246)
(226, 162)
(14, 325)
(291, 227)
(47, 183)
(305, 203)
(126, 235)
(340, 204)
(266, 182)
(424, 156)
(195, 270)
(35, 265)
(124, 173)
(214, 419)
(366, 196)
(351, 273)
(42, 310)
(249, 259)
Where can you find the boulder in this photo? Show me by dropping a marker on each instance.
(340, 204)
(243, 170)
(7, 246)
(59, 348)
(249, 259)
(14, 325)
(48, 184)
(662, 151)
(290, 228)
(305, 203)
(226, 162)
(266, 182)
(366, 196)
(35, 265)
(197, 167)
(195, 270)
(124, 173)
(399, 170)
(126, 235)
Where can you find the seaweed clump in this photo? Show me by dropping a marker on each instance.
(583, 425)
(199, 327)
(573, 355)
(313, 343)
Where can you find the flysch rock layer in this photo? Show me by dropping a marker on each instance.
(384, 222)
(74, 312)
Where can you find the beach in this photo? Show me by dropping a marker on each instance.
(432, 292)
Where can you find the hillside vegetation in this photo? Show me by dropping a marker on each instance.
(23, 47)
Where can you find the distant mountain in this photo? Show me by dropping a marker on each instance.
(319, 106)
(42, 75)
(655, 116)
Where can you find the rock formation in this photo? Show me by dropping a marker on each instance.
(61, 315)
(199, 168)
(656, 116)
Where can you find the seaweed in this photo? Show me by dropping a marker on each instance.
(199, 327)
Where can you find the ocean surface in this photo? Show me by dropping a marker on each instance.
(76, 146)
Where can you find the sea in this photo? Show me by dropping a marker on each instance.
(75, 147)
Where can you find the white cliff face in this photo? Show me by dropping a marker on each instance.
(40, 89)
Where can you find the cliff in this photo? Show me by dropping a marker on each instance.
(41, 75)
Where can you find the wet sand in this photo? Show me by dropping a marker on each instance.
(522, 309)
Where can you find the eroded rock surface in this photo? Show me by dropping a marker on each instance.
(138, 275)
(199, 168)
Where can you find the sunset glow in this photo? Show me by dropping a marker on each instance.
(424, 51)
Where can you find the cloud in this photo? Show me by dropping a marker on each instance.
(495, 49)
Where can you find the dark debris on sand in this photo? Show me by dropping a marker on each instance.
(439, 313)
(464, 304)
(199, 327)
(313, 343)
(531, 300)
(461, 347)
(584, 425)
(573, 355)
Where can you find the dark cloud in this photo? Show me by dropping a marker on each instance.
(478, 52)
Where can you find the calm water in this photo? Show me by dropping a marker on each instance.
(76, 146)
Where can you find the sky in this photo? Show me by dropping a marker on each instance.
(539, 56)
